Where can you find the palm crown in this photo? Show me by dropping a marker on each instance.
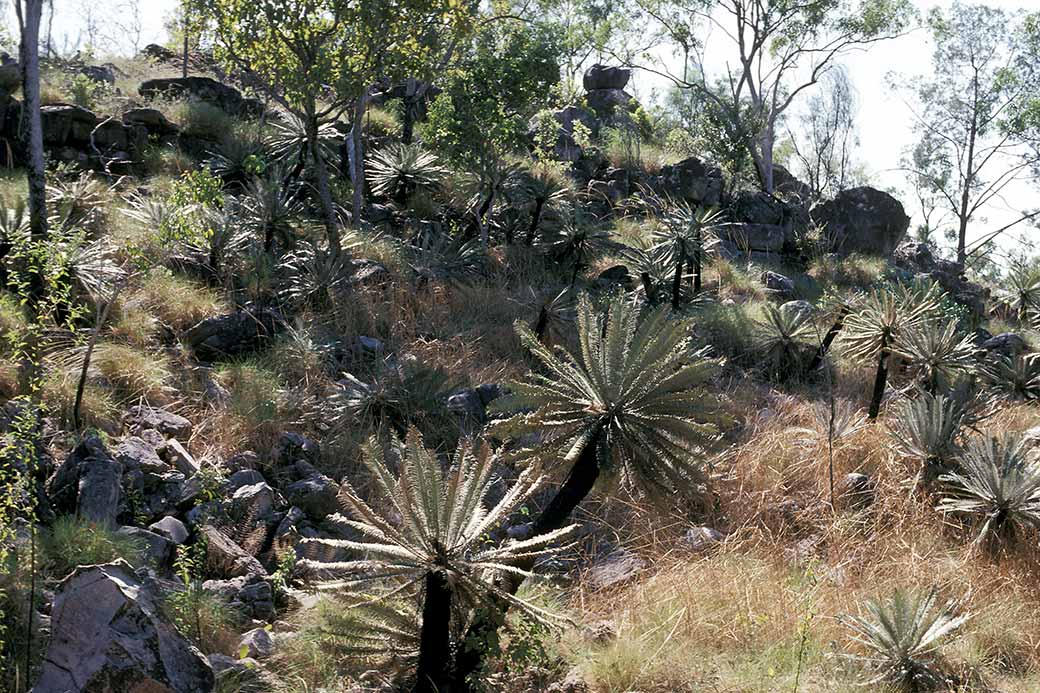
(635, 390)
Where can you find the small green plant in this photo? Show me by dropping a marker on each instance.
(85, 91)
(784, 337)
(199, 614)
(73, 542)
(194, 193)
(902, 635)
(938, 355)
(399, 170)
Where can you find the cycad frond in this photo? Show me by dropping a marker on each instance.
(399, 170)
(422, 520)
(927, 428)
(784, 336)
(997, 482)
(902, 635)
(1022, 293)
(884, 314)
(938, 355)
(287, 142)
(313, 276)
(1014, 377)
(636, 386)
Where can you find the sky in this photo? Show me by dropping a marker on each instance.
(884, 122)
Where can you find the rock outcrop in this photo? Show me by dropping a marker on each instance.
(108, 633)
(862, 220)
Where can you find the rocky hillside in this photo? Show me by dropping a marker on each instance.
(623, 424)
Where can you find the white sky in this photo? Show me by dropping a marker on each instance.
(884, 121)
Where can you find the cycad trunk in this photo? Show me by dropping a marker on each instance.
(828, 339)
(677, 280)
(579, 483)
(433, 671)
(542, 324)
(321, 177)
(648, 286)
(880, 380)
(536, 218)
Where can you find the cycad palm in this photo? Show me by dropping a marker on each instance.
(431, 529)
(927, 428)
(784, 335)
(398, 170)
(683, 238)
(1022, 295)
(1014, 377)
(544, 186)
(998, 482)
(938, 355)
(872, 330)
(902, 634)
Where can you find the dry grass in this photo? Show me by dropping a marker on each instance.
(176, 302)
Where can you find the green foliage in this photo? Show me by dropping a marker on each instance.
(200, 615)
(884, 315)
(928, 428)
(189, 206)
(785, 337)
(420, 520)
(901, 635)
(71, 542)
(1014, 377)
(399, 170)
(1021, 294)
(401, 393)
(938, 355)
(314, 277)
(636, 388)
(997, 484)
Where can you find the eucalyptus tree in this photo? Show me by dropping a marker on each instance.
(320, 58)
(425, 533)
(775, 52)
(976, 115)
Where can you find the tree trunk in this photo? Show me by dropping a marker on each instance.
(484, 217)
(541, 324)
(969, 178)
(579, 483)
(321, 175)
(880, 379)
(677, 280)
(356, 151)
(432, 674)
(698, 241)
(648, 286)
(536, 218)
(184, 57)
(828, 339)
(408, 105)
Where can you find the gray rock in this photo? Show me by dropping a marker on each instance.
(1006, 343)
(692, 180)
(141, 418)
(252, 595)
(157, 548)
(108, 633)
(180, 458)
(798, 307)
(225, 558)
(605, 101)
(617, 568)
(257, 643)
(99, 490)
(253, 502)
(370, 345)
(759, 208)
(99, 73)
(201, 89)
(244, 477)
(234, 334)
(291, 447)
(134, 452)
(317, 496)
(171, 528)
(604, 77)
(10, 76)
(919, 261)
(857, 490)
(702, 538)
(151, 119)
(863, 220)
(566, 148)
(768, 238)
(778, 283)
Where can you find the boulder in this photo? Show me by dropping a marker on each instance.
(182, 460)
(225, 558)
(10, 74)
(604, 101)
(566, 148)
(257, 643)
(104, 74)
(134, 453)
(234, 334)
(759, 208)
(317, 495)
(155, 547)
(140, 418)
(151, 119)
(66, 124)
(778, 284)
(171, 528)
(251, 595)
(692, 180)
(108, 633)
(253, 502)
(603, 77)
(244, 477)
(203, 89)
(88, 482)
(919, 261)
(617, 568)
(1006, 343)
(292, 446)
(798, 307)
(761, 238)
(862, 220)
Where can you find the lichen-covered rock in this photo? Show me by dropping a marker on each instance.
(141, 418)
(692, 180)
(109, 634)
(234, 334)
(204, 89)
(225, 558)
(316, 495)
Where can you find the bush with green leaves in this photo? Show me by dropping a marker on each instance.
(426, 533)
(998, 484)
(544, 186)
(902, 636)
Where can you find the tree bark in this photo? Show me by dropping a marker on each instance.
(433, 671)
(828, 339)
(969, 177)
(648, 286)
(321, 175)
(536, 218)
(880, 380)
